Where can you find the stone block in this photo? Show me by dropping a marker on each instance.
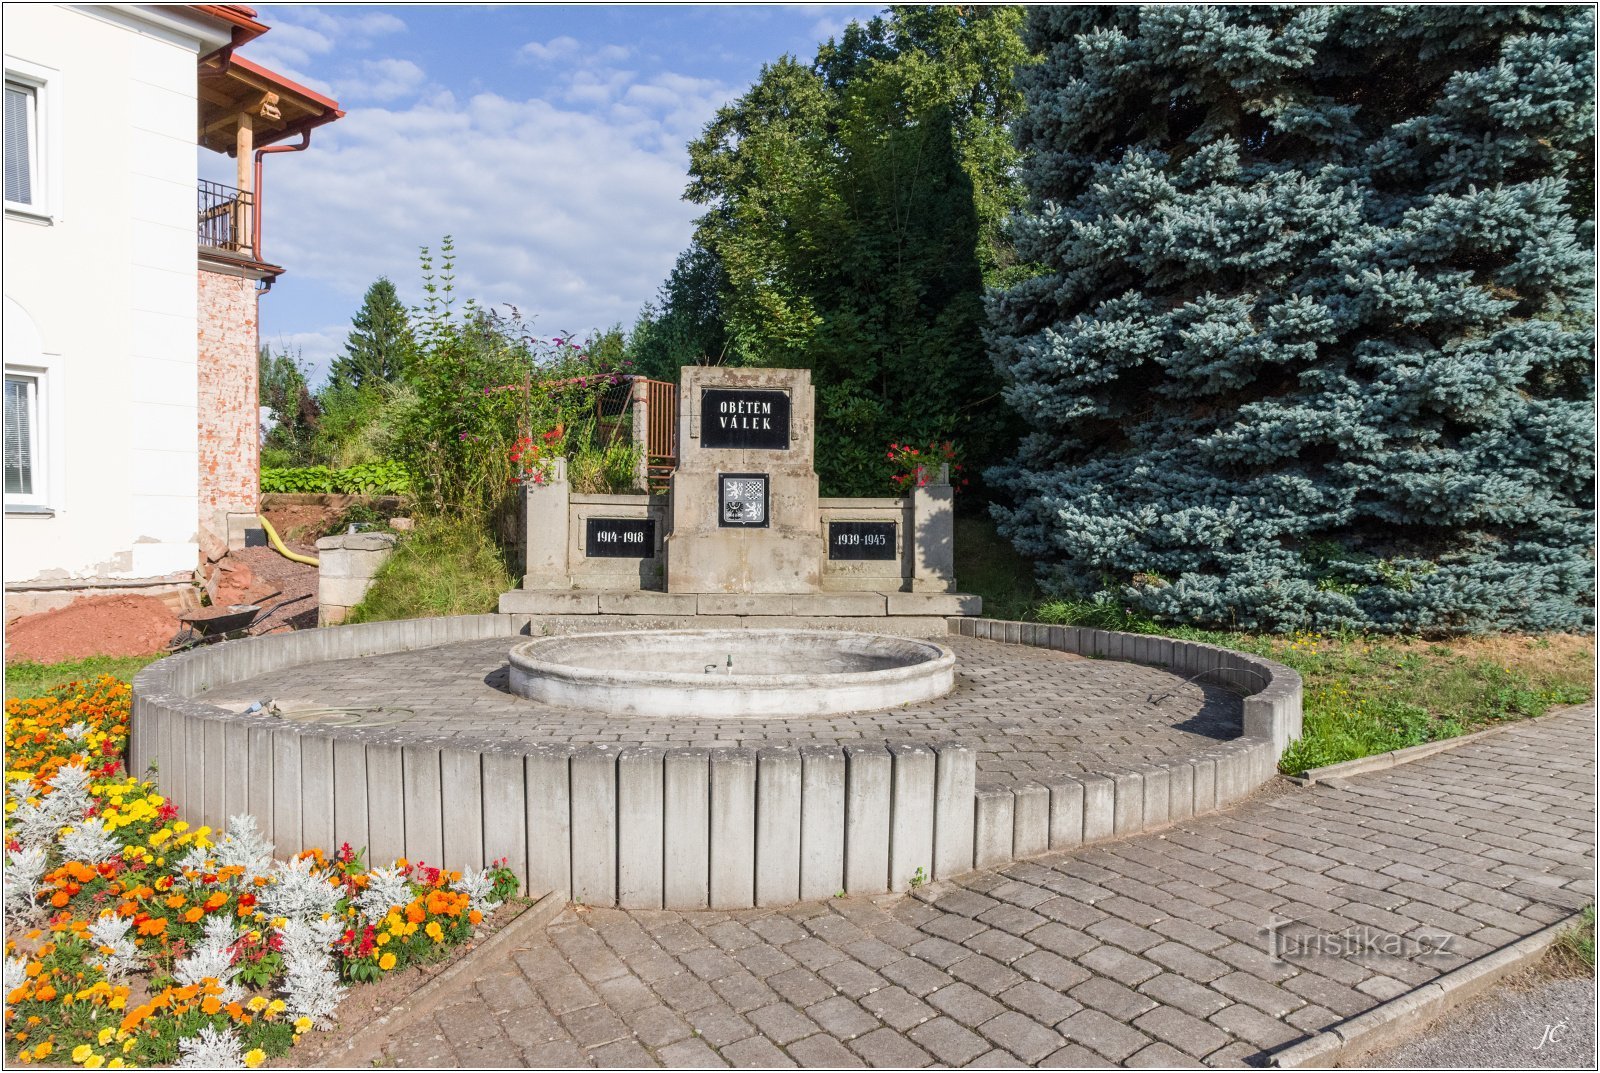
(316, 793)
(779, 804)
(286, 792)
(1205, 784)
(386, 823)
(934, 603)
(236, 755)
(548, 774)
(1180, 791)
(1066, 812)
(640, 817)
(1129, 815)
(541, 602)
(955, 776)
(1099, 807)
(733, 828)
(342, 591)
(217, 774)
(646, 603)
(994, 824)
(1157, 797)
(822, 797)
(912, 771)
(833, 604)
(594, 825)
(746, 603)
(424, 804)
(687, 836)
(461, 790)
(349, 794)
(1030, 822)
(505, 816)
(867, 803)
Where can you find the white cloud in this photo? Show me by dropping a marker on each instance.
(383, 80)
(570, 209)
(547, 51)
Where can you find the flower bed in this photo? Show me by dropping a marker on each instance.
(134, 939)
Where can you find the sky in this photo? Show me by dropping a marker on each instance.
(549, 141)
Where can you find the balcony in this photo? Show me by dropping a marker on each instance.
(224, 218)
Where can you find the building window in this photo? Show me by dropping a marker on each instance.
(22, 144)
(32, 141)
(24, 416)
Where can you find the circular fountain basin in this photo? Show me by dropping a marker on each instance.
(731, 673)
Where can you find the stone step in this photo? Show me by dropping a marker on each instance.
(740, 605)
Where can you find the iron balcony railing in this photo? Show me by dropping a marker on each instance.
(224, 217)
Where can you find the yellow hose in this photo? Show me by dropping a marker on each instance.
(272, 535)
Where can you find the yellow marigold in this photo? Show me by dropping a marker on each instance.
(254, 1058)
(81, 1052)
(435, 932)
(44, 1049)
(386, 962)
(257, 1004)
(105, 1035)
(302, 1024)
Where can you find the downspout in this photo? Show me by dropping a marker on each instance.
(259, 195)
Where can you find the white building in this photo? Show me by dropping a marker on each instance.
(130, 313)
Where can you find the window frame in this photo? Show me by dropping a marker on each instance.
(46, 84)
(38, 500)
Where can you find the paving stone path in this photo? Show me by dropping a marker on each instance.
(1150, 951)
(1028, 712)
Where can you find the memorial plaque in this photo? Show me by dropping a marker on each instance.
(620, 538)
(744, 420)
(742, 500)
(861, 540)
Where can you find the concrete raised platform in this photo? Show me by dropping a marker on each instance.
(684, 605)
(612, 816)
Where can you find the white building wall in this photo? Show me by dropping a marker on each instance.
(108, 281)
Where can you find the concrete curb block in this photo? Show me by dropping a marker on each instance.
(879, 816)
(366, 1046)
(1353, 1039)
(1381, 761)
(1015, 822)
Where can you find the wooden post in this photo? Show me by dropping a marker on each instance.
(244, 147)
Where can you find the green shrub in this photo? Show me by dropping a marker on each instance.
(369, 478)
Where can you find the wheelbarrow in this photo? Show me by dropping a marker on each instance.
(210, 624)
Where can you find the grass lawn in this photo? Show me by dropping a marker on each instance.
(1364, 694)
(33, 679)
(1369, 694)
(987, 565)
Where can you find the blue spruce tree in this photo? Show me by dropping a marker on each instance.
(1313, 346)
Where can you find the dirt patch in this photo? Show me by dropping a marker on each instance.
(94, 626)
(300, 524)
(270, 572)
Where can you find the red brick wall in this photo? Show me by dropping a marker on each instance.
(230, 436)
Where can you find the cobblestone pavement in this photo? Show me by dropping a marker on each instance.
(1149, 951)
(1026, 711)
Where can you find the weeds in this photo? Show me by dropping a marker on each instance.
(443, 568)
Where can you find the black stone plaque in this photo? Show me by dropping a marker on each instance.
(744, 420)
(620, 538)
(742, 500)
(861, 540)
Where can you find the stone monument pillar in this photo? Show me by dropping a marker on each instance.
(744, 495)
